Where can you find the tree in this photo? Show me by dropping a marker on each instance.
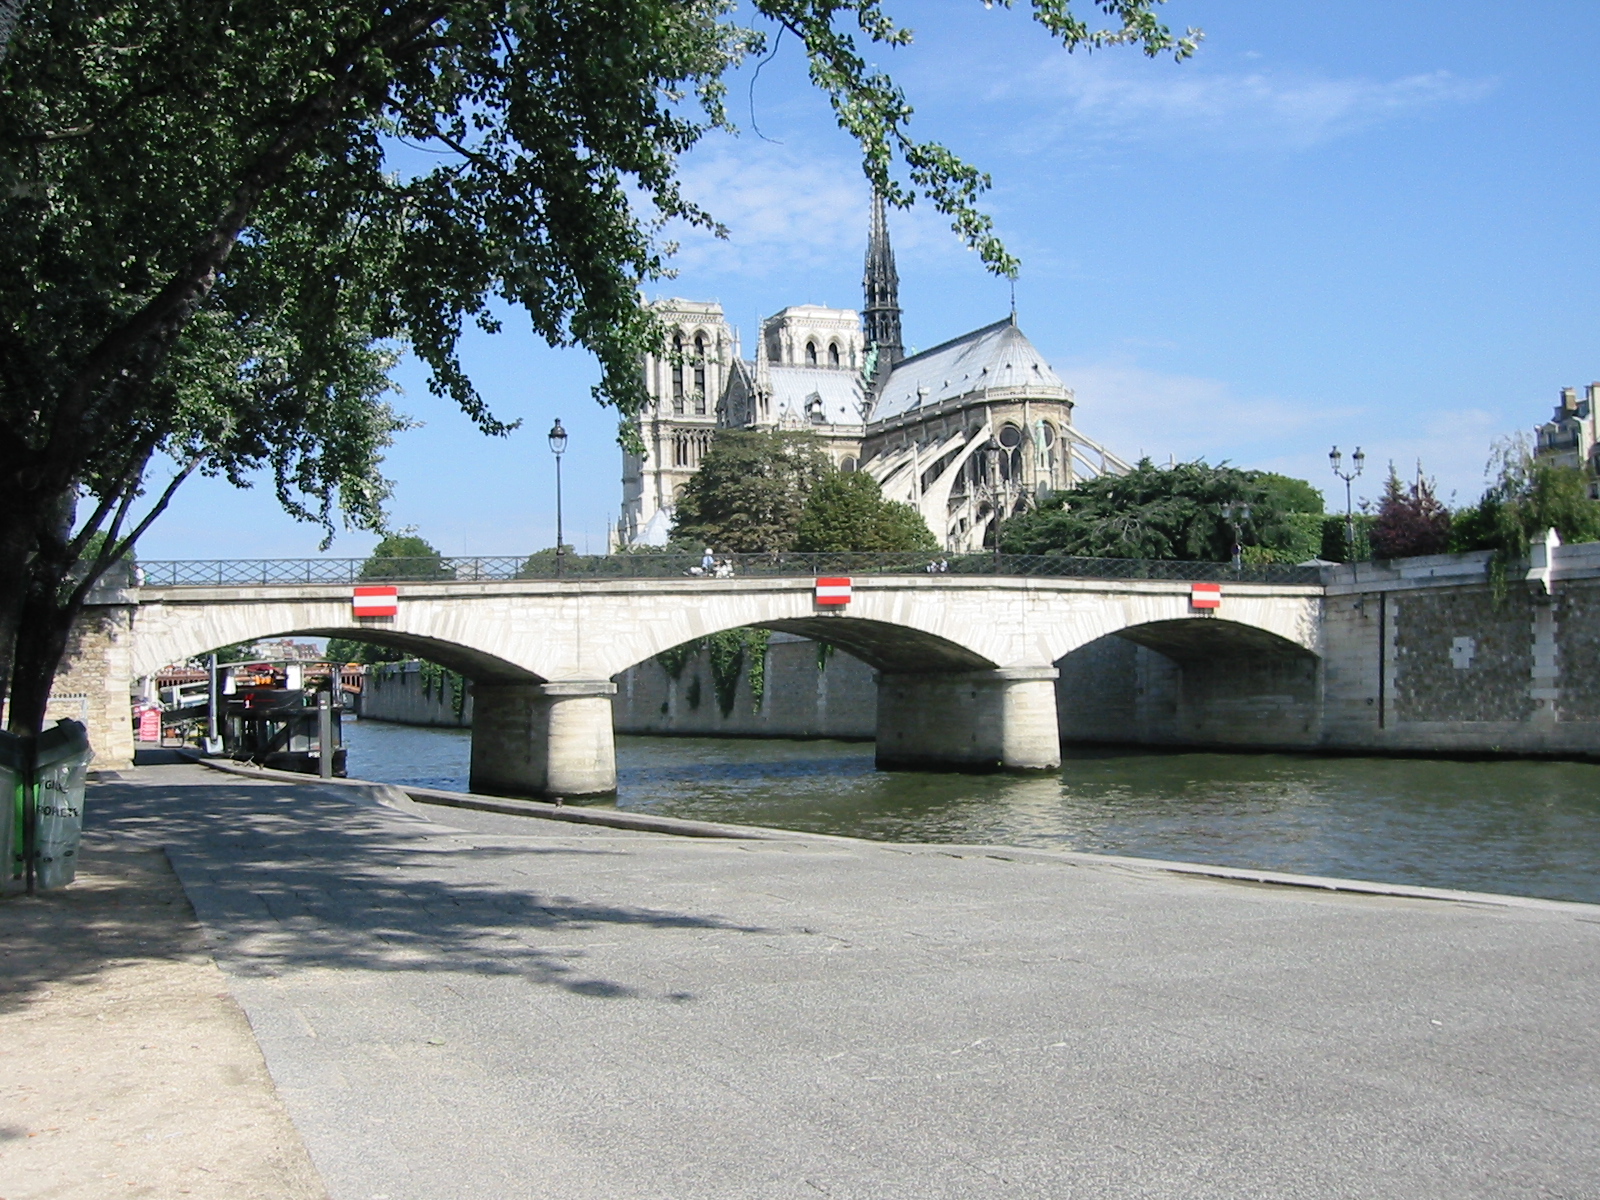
(1173, 512)
(1525, 498)
(541, 564)
(1410, 520)
(401, 555)
(404, 555)
(847, 512)
(213, 260)
(750, 490)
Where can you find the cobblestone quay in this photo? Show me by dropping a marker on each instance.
(460, 1004)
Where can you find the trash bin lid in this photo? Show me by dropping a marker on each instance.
(68, 739)
(65, 740)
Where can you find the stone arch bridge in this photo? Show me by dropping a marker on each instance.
(967, 664)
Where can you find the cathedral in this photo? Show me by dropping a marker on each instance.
(975, 428)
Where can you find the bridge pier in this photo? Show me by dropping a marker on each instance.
(543, 739)
(998, 720)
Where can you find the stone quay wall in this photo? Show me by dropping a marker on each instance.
(809, 692)
(408, 694)
(1426, 656)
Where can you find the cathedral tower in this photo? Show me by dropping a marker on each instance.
(880, 314)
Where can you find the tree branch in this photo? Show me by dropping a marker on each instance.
(163, 314)
(110, 553)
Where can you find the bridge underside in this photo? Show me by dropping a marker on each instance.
(1191, 683)
(474, 664)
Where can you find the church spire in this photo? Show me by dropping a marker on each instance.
(880, 314)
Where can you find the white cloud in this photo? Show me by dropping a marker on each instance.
(1107, 99)
(785, 210)
(1133, 410)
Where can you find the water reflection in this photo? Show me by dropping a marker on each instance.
(1530, 828)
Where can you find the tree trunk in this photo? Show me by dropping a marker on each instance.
(41, 642)
(35, 576)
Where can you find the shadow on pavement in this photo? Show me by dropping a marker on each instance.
(288, 878)
(125, 905)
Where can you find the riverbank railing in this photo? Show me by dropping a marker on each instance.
(590, 567)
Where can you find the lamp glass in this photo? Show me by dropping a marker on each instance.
(558, 438)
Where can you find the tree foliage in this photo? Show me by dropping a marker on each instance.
(1173, 513)
(1526, 497)
(400, 555)
(750, 490)
(847, 512)
(213, 258)
(404, 555)
(1410, 520)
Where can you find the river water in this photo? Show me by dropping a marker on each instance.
(1524, 828)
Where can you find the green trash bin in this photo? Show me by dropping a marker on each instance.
(61, 767)
(11, 862)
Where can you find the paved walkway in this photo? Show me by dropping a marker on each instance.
(462, 1005)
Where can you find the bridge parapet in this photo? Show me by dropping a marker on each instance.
(291, 572)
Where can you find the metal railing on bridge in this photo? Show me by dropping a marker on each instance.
(589, 567)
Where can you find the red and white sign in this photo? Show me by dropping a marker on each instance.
(150, 725)
(1205, 595)
(376, 601)
(833, 592)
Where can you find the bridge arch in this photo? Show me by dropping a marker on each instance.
(170, 633)
(1191, 682)
(882, 645)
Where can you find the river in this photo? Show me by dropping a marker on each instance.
(1519, 827)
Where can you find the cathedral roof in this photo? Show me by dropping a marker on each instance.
(995, 358)
(799, 392)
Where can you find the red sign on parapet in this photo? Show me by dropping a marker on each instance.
(1205, 595)
(376, 601)
(833, 591)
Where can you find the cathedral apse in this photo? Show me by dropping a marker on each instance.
(978, 426)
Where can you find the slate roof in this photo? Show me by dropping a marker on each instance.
(996, 356)
(839, 391)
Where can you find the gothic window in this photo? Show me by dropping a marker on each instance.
(700, 374)
(677, 373)
(814, 410)
(833, 354)
(848, 465)
(1010, 439)
(811, 354)
(680, 451)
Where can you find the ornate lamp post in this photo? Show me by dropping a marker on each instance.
(558, 447)
(1236, 513)
(1359, 460)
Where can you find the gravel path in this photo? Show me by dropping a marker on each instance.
(126, 1067)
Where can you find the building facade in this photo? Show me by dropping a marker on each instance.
(977, 428)
(1570, 438)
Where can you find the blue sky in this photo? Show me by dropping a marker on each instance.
(1368, 223)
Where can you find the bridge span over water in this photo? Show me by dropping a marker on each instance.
(967, 662)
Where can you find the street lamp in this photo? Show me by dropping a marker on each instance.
(1236, 513)
(558, 447)
(1359, 460)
